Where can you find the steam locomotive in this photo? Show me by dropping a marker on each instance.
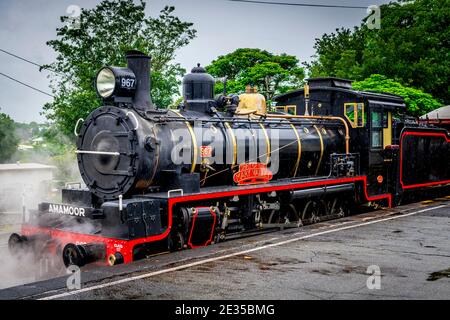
(218, 167)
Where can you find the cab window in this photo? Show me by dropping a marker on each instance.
(292, 109)
(354, 112)
(377, 124)
(385, 120)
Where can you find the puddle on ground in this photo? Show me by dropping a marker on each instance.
(275, 264)
(439, 275)
(324, 272)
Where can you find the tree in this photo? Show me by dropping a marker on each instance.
(101, 37)
(417, 102)
(272, 74)
(412, 47)
(338, 54)
(8, 138)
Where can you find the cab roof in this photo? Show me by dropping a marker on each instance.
(344, 86)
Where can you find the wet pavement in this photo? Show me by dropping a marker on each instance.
(408, 245)
(13, 273)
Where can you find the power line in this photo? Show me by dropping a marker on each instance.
(300, 4)
(31, 62)
(26, 85)
(325, 5)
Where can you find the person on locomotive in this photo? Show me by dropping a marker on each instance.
(139, 195)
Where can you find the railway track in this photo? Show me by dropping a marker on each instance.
(241, 240)
(233, 238)
(102, 279)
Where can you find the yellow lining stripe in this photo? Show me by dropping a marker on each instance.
(321, 148)
(194, 141)
(387, 132)
(233, 139)
(354, 123)
(299, 144)
(267, 142)
(158, 148)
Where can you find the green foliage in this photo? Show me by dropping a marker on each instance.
(25, 131)
(8, 138)
(54, 144)
(272, 74)
(417, 102)
(412, 47)
(338, 55)
(104, 34)
(49, 147)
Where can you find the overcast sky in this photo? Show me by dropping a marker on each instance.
(223, 26)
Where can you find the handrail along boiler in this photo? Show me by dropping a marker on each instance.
(323, 151)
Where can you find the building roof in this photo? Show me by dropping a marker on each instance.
(442, 113)
(25, 166)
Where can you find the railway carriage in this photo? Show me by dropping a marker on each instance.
(218, 167)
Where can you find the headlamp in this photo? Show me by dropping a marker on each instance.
(115, 82)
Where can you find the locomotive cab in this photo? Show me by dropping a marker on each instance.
(370, 116)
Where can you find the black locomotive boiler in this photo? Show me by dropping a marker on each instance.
(216, 167)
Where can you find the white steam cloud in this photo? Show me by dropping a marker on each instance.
(21, 189)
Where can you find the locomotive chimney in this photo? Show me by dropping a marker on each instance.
(139, 63)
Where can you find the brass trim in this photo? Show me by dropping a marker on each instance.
(347, 131)
(112, 260)
(203, 181)
(267, 143)
(286, 109)
(299, 156)
(355, 105)
(233, 139)
(193, 139)
(280, 108)
(321, 148)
